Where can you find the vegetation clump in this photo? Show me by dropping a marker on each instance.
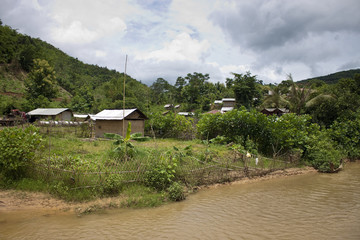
(18, 150)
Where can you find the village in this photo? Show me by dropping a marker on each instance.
(112, 121)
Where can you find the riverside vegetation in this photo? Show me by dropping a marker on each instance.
(322, 129)
(149, 172)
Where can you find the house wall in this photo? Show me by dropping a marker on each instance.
(65, 116)
(116, 126)
(228, 104)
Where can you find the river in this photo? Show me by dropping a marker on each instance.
(311, 206)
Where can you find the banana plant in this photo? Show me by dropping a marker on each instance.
(123, 144)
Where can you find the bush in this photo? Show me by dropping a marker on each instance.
(172, 125)
(270, 135)
(160, 176)
(176, 192)
(347, 136)
(322, 154)
(112, 184)
(18, 148)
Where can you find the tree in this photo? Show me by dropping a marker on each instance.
(275, 99)
(41, 81)
(298, 97)
(246, 89)
(161, 91)
(83, 101)
(196, 88)
(179, 85)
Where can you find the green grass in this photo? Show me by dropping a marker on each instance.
(76, 169)
(139, 196)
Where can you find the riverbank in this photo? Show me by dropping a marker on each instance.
(14, 200)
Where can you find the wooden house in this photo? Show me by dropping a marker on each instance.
(111, 121)
(61, 114)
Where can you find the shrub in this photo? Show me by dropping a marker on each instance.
(270, 135)
(161, 175)
(322, 153)
(18, 148)
(172, 125)
(176, 192)
(347, 136)
(112, 184)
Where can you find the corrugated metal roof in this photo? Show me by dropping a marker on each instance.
(113, 114)
(186, 113)
(228, 99)
(226, 109)
(47, 111)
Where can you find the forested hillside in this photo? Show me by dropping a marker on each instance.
(35, 74)
(83, 87)
(333, 78)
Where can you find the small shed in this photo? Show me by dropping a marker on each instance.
(229, 102)
(111, 121)
(186, 114)
(61, 114)
(217, 104)
(168, 106)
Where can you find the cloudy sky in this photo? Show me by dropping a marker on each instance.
(170, 38)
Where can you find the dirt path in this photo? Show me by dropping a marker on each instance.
(12, 200)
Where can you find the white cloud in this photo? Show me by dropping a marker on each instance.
(100, 53)
(183, 47)
(75, 33)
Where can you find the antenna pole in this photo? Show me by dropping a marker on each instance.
(123, 133)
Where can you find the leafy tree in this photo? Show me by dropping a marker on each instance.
(196, 88)
(41, 81)
(346, 134)
(161, 91)
(246, 89)
(347, 94)
(323, 109)
(290, 131)
(83, 101)
(179, 85)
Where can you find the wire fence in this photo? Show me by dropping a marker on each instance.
(194, 170)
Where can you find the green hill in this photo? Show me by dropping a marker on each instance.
(83, 87)
(334, 77)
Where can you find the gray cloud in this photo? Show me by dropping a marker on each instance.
(25, 16)
(280, 33)
(260, 25)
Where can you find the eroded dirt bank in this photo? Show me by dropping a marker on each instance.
(13, 200)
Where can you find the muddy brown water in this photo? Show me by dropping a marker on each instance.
(311, 206)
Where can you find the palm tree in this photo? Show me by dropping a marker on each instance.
(298, 97)
(275, 99)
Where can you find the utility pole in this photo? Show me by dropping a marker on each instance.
(123, 133)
